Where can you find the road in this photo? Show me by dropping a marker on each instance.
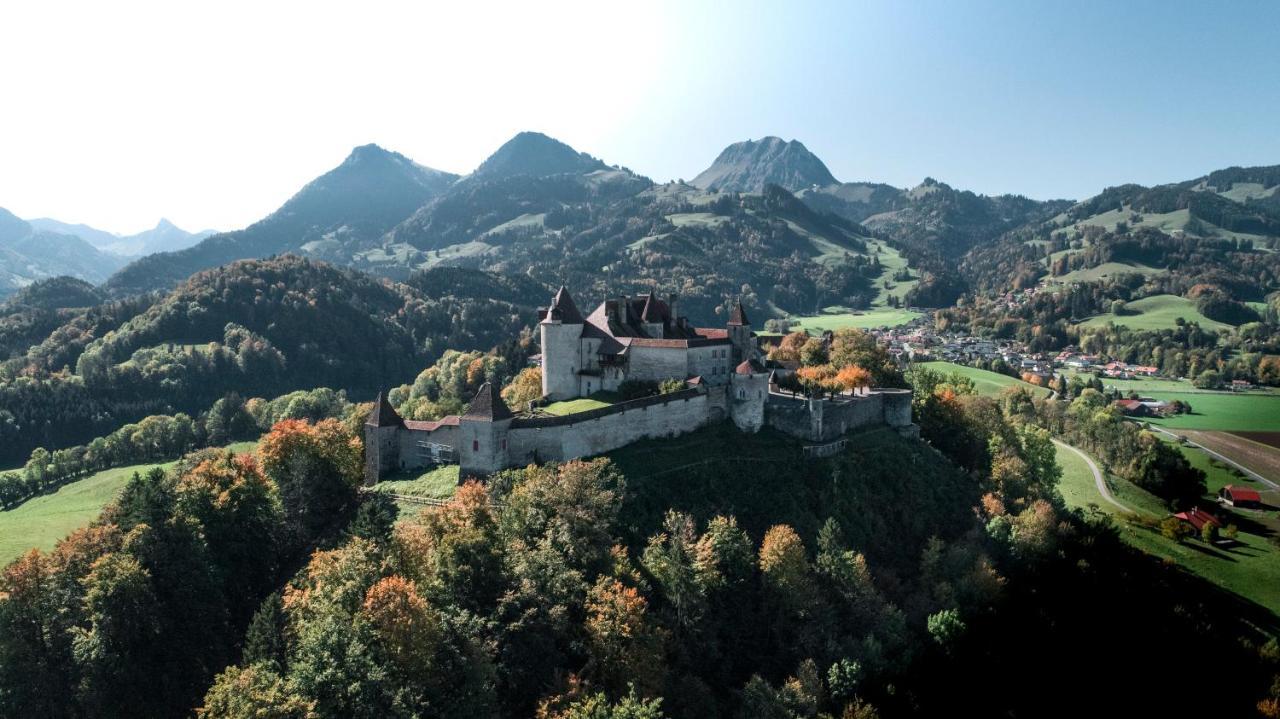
(1098, 479)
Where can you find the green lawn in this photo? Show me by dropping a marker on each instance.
(1155, 313)
(882, 317)
(582, 404)
(1251, 569)
(41, 521)
(1143, 385)
(1222, 411)
(985, 383)
(436, 483)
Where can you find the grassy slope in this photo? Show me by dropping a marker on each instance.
(1145, 385)
(881, 317)
(41, 521)
(436, 483)
(1155, 313)
(1251, 570)
(984, 382)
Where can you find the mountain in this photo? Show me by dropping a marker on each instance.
(536, 155)
(1215, 233)
(164, 237)
(28, 254)
(358, 201)
(749, 166)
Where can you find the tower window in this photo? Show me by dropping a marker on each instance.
(475, 445)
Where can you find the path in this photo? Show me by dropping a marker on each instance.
(1097, 476)
(1217, 455)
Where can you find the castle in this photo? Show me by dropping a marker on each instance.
(641, 340)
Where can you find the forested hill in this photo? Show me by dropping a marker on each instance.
(1217, 232)
(255, 327)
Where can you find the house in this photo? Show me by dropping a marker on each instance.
(1131, 407)
(1240, 385)
(1240, 497)
(1198, 518)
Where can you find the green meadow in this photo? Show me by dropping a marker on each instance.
(1157, 312)
(41, 521)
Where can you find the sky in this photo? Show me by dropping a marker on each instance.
(213, 114)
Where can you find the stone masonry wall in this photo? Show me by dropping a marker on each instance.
(590, 433)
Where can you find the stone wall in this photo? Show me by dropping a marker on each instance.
(656, 363)
(707, 362)
(596, 431)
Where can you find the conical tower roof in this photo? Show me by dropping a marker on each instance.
(383, 414)
(739, 315)
(562, 308)
(487, 405)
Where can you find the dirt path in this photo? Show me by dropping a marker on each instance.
(1098, 479)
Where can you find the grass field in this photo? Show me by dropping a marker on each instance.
(437, 483)
(882, 317)
(1103, 271)
(1156, 313)
(1143, 385)
(582, 404)
(986, 383)
(41, 521)
(1250, 569)
(1221, 411)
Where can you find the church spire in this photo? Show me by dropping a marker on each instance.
(739, 315)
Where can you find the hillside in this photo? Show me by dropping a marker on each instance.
(28, 254)
(1217, 230)
(255, 327)
(368, 194)
(751, 165)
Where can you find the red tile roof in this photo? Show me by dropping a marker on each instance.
(1242, 494)
(1197, 518)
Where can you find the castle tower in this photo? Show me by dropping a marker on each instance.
(560, 333)
(381, 441)
(482, 431)
(651, 316)
(748, 391)
(740, 334)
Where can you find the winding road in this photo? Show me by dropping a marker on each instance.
(1097, 476)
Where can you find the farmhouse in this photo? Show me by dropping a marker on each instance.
(639, 339)
(1240, 496)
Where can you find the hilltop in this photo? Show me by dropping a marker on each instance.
(751, 165)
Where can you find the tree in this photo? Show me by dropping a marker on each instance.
(945, 627)
(254, 692)
(525, 388)
(375, 519)
(265, 643)
(316, 468)
(1175, 529)
(624, 647)
(1209, 533)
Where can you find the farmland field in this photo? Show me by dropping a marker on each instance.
(41, 521)
(984, 382)
(1251, 568)
(1222, 411)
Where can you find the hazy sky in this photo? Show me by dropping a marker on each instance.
(213, 114)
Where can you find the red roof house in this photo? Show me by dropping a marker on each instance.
(1240, 496)
(1197, 518)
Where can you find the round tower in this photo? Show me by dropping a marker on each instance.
(748, 392)
(560, 333)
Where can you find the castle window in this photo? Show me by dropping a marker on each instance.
(475, 445)
(504, 444)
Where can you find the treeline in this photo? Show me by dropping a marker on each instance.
(164, 437)
(134, 615)
(261, 327)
